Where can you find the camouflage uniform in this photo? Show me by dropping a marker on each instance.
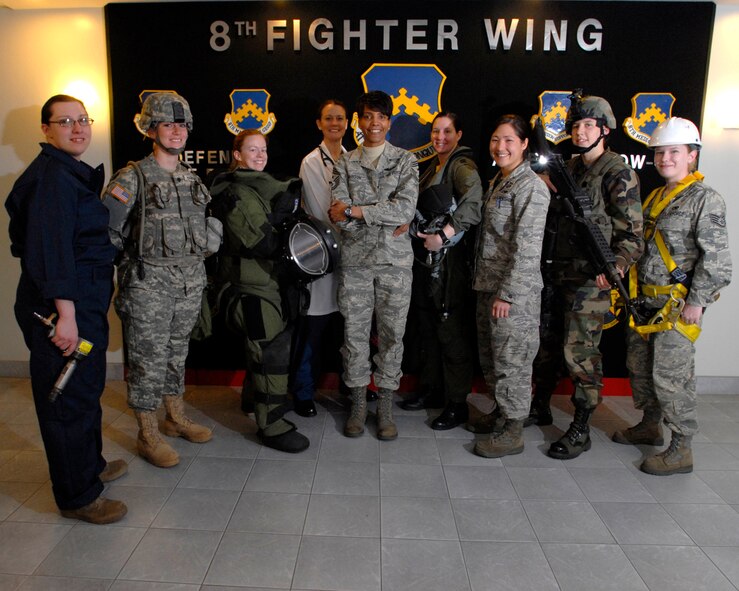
(159, 297)
(614, 190)
(662, 369)
(441, 305)
(375, 270)
(507, 267)
(248, 262)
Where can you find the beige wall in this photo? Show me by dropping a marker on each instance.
(44, 50)
(717, 346)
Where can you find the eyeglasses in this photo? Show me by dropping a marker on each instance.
(69, 122)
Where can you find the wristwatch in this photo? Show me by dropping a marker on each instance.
(348, 212)
(444, 240)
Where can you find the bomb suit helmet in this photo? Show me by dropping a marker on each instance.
(676, 131)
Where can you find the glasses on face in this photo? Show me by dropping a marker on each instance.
(69, 122)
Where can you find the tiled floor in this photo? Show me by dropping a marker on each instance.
(419, 513)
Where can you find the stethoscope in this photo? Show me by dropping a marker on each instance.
(326, 158)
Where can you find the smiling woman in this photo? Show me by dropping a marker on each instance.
(59, 230)
(67, 127)
(508, 281)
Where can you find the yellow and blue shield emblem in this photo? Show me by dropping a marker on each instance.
(250, 110)
(416, 93)
(142, 97)
(553, 107)
(648, 110)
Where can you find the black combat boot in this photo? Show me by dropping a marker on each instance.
(577, 438)
(540, 412)
(455, 413)
(425, 397)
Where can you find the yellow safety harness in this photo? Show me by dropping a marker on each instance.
(667, 317)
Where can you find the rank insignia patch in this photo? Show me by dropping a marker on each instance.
(648, 110)
(718, 220)
(249, 110)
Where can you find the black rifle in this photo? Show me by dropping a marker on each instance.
(579, 208)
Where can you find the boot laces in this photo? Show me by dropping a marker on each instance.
(575, 432)
(674, 446)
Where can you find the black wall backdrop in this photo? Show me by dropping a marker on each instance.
(479, 59)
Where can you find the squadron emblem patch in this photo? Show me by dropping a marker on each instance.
(249, 110)
(553, 107)
(416, 93)
(648, 110)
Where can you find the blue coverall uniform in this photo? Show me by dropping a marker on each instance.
(59, 230)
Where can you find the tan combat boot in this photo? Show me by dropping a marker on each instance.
(676, 459)
(645, 432)
(505, 443)
(176, 424)
(492, 422)
(354, 426)
(386, 429)
(99, 512)
(150, 444)
(113, 471)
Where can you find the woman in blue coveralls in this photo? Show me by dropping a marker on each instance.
(59, 230)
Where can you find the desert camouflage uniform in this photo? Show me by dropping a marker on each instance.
(614, 190)
(375, 271)
(662, 370)
(158, 300)
(507, 267)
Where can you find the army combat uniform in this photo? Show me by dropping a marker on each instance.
(375, 270)
(507, 268)
(614, 191)
(693, 227)
(161, 275)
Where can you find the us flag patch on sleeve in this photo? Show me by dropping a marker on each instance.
(121, 194)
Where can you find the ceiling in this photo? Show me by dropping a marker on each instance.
(51, 4)
(60, 4)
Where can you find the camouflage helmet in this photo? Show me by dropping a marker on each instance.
(589, 107)
(164, 107)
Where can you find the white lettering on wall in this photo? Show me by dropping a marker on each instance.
(360, 34)
(321, 34)
(594, 31)
(554, 34)
(413, 34)
(447, 31)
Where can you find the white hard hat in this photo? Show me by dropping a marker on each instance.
(675, 131)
